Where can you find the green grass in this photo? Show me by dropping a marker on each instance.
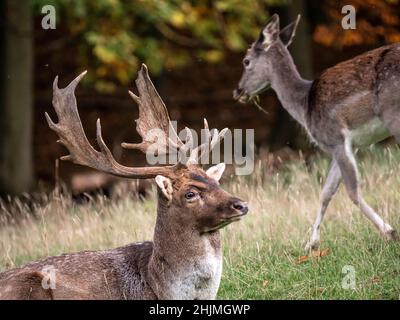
(261, 252)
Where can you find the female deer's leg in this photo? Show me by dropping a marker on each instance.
(328, 191)
(348, 167)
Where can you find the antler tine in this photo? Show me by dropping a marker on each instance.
(74, 83)
(72, 136)
(189, 138)
(152, 115)
(55, 83)
(103, 147)
(210, 142)
(134, 97)
(218, 137)
(207, 130)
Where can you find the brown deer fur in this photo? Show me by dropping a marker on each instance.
(184, 260)
(353, 104)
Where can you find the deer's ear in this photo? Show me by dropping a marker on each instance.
(216, 171)
(287, 34)
(165, 186)
(270, 33)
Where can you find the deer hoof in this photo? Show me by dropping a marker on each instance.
(392, 235)
(311, 246)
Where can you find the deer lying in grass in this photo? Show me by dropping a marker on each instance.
(184, 261)
(353, 104)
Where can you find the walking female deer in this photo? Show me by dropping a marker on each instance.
(353, 104)
(184, 261)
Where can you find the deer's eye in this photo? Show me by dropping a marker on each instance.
(246, 62)
(190, 195)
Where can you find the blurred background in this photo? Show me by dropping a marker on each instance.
(194, 52)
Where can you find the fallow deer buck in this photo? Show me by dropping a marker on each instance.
(353, 104)
(184, 261)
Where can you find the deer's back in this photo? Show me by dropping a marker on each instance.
(112, 274)
(348, 94)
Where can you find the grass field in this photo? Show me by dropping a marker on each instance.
(263, 253)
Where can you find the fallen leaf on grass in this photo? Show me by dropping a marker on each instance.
(322, 290)
(265, 283)
(375, 279)
(314, 254)
(320, 253)
(302, 259)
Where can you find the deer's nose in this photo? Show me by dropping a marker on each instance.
(237, 93)
(240, 206)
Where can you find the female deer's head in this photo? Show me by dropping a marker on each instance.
(188, 195)
(263, 55)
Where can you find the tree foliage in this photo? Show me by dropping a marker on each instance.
(117, 35)
(378, 22)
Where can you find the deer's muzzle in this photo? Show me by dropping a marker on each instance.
(240, 95)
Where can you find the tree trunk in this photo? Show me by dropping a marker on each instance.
(301, 46)
(16, 97)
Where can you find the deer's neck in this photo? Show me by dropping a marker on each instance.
(291, 88)
(185, 264)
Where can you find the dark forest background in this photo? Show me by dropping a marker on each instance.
(193, 50)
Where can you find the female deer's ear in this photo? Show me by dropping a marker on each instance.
(165, 186)
(270, 33)
(287, 34)
(216, 171)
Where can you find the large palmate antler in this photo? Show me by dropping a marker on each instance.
(152, 115)
(72, 136)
